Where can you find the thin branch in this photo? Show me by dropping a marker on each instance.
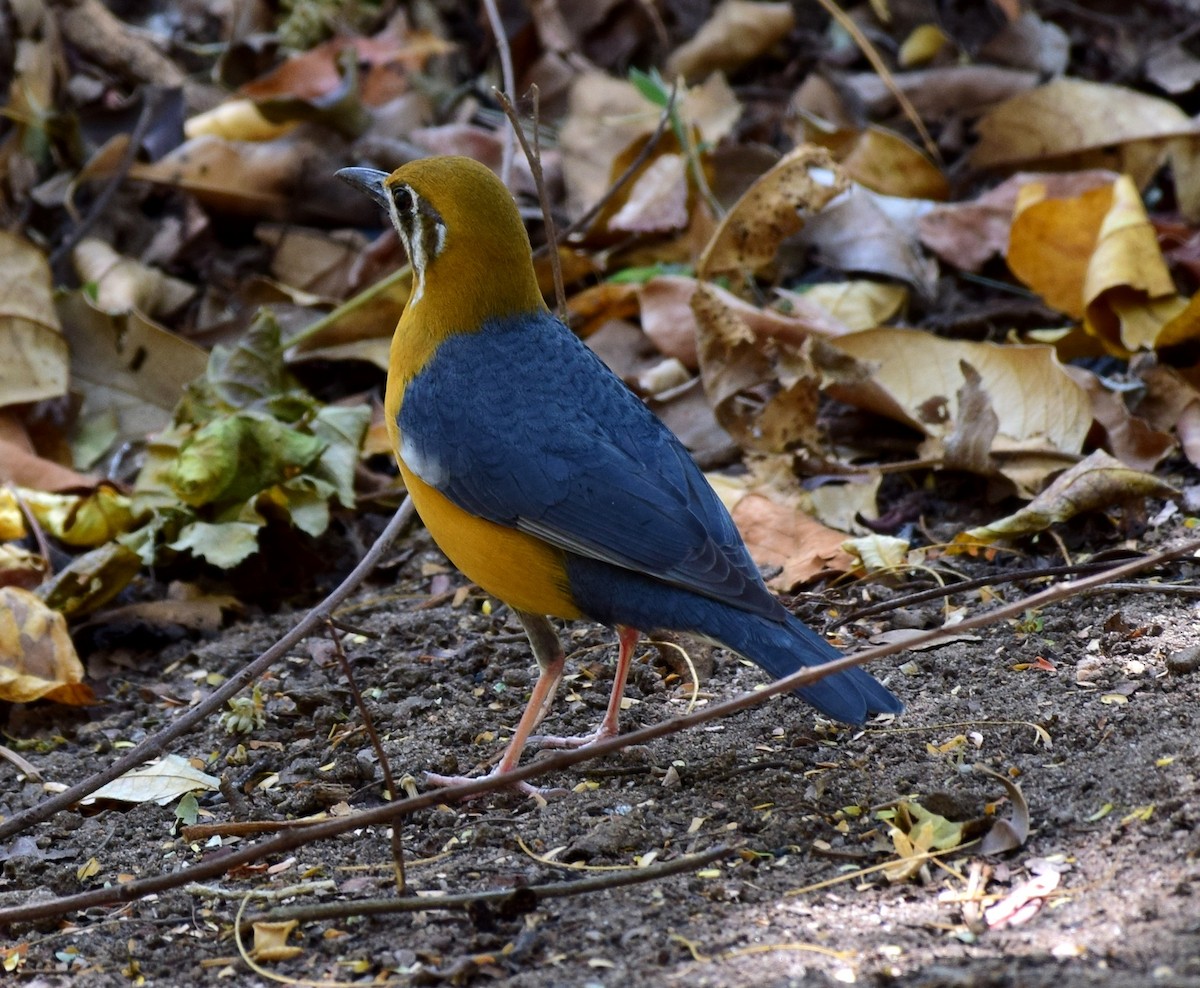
(385, 764)
(286, 842)
(509, 80)
(846, 22)
(533, 156)
(962, 586)
(158, 743)
(533, 893)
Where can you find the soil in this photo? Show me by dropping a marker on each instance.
(1112, 787)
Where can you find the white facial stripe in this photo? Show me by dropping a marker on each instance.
(417, 224)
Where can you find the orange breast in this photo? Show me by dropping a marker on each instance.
(523, 571)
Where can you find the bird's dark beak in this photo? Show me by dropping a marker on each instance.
(368, 180)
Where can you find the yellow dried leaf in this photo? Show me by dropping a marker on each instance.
(236, 120)
(883, 161)
(1068, 116)
(37, 657)
(35, 353)
(1094, 484)
(738, 32)
(922, 45)
(769, 212)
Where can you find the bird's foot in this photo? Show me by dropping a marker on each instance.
(445, 781)
(601, 733)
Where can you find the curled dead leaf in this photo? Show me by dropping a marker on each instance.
(37, 656)
(1098, 482)
(747, 239)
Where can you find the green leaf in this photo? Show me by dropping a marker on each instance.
(251, 371)
(233, 458)
(224, 545)
(651, 85)
(638, 276)
(187, 810)
(343, 430)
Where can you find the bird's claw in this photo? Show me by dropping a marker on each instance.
(573, 740)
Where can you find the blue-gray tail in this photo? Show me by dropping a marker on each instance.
(776, 641)
(784, 647)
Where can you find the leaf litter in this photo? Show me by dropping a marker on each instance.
(788, 354)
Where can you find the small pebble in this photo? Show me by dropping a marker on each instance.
(1185, 661)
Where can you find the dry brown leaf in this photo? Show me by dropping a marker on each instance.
(1172, 402)
(665, 304)
(251, 179)
(863, 231)
(35, 353)
(767, 403)
(21, 466)
(1171, 67)
(1096, 257)
(122, 284)
(312, 260)
(1096, 483)
(769, 212)
(657, 200)
(838, 307)
(20, 567)
(608, 301)
(969, 234)
(1042, 415)
(1128, 437)
(949, 92)
(270, 941)
(738, 32)
(1069, 116)
(129, 370)
(781, 535)
(882, 161)
(37, 657)
(608, 118)
(162, 782)
(1029, 43)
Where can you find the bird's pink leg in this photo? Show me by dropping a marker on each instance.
(548, 652)
(610, 726)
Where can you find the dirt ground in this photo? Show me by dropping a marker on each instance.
(1114, 798)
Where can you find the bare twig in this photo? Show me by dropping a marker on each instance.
(640, 159)
(534, 157)
(158, 743)
(510, 84)
(384, 764)
(533, 893)
(154, 99)
(963, 586)
(132, 891)
(851, 28)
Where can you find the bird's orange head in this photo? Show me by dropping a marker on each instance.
(465, 239)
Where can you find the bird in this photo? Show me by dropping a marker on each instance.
(544, 479)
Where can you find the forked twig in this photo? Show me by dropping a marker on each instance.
(393, 811)
(157, 744)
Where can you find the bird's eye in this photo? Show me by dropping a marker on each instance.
(402, 197)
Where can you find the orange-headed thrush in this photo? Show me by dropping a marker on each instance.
(542, 477)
